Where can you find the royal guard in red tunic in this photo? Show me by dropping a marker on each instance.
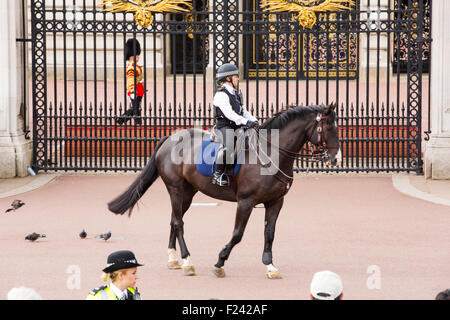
(135, 82)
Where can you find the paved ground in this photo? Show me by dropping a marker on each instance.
(385, 244)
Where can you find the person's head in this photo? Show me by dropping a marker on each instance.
(123, 278)
(132, 59)
(326, 285)
(132, 50)
(228, 73)
(121, 269)
(23, 293)
(443, 295)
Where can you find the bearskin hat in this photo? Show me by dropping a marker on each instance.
(132, 48)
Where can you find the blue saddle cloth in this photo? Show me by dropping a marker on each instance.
(206, 158)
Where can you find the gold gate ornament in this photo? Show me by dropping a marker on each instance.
(143, 9)
(306, 9)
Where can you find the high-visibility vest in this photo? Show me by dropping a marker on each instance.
(105, 293)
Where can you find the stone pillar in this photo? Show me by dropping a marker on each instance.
(15, 150)
(437, 153)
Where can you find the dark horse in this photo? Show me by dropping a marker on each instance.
(296, 126)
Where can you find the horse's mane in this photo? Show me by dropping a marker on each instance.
(282, 118)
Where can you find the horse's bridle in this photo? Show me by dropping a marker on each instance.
(317, 151)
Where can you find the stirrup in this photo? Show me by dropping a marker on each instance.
(221, 180)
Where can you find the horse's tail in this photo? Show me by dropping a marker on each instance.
(128, 199)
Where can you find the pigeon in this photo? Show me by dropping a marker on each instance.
(83, 234)
(34, 236)
(104, 236)
(15, 205)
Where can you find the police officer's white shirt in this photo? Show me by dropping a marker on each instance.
(119, 293)
(222, 101)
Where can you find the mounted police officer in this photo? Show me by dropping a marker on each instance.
(121, 270)
(230, 115)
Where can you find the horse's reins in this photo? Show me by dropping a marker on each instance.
(322, 148)
(317, 155)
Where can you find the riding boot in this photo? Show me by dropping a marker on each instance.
(220, 178)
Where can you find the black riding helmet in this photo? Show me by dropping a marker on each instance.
(225, 71)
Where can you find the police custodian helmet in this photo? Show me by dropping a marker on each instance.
(226, 70)
(122, 259)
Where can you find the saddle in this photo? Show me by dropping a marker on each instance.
(206, 157)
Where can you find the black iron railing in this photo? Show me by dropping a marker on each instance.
(352, 58)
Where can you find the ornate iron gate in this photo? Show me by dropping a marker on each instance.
(369, 59)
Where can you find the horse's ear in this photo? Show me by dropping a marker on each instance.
(331, 106)
(327, 109)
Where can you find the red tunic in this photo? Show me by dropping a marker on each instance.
(139, 80)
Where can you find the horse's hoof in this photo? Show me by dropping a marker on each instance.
(219, 272)
(173, 265)
(189, 271)
(275, 274)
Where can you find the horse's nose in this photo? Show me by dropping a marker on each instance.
(337, 159)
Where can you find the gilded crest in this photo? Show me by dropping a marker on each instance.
(306, 9)
(144, 9)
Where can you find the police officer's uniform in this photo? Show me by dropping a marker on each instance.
(118, 260)
(107, 293)
(230, 113)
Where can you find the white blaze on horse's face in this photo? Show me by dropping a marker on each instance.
(338, 157)
(335, 160)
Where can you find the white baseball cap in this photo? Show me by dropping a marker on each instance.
(326, 285)
(23, 293)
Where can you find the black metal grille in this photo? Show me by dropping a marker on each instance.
(349, 57)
